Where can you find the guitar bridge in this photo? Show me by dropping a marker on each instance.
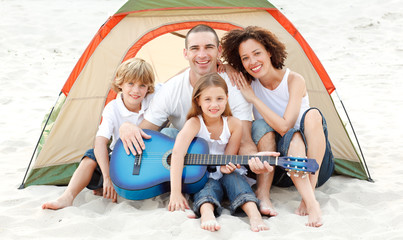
(137, 164)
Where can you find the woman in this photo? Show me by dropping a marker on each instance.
(281, 105)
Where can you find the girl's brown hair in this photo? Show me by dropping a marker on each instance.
(233, 39)
(133, 70)
(209, 80)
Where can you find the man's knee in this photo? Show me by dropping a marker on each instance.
(297, 143)
(267, 142)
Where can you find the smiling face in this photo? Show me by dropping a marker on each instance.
(212, 101)
(202, 53)
(133, 94)
(255, 58)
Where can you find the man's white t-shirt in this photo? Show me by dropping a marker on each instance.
(174, 100)
(115, 114)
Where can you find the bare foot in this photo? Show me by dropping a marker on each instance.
(62, 202)
(315, 216)
(266, 207)
(257, 225)
(301, 210)
(98, 192)
(209, 222)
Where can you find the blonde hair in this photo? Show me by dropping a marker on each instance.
(209, 80)
(133, 70)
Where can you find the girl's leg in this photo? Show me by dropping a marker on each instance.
(79, 180)
(264, 181)
(208, 220)
(309, 205)
(241, 196)
(206, 204)
(255, 219)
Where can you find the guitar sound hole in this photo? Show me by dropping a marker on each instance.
(169, 159)
(166, 159)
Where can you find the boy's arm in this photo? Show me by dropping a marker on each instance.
(102, 156)
(182, 142)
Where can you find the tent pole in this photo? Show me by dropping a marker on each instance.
(356, 138)
(22, 186)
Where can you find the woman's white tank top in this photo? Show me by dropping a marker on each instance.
(278, 98)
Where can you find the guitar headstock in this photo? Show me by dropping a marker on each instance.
(298, 164)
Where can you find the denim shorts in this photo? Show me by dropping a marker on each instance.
(97, 180)
(170, 132)
(234, 186)
(281, 179)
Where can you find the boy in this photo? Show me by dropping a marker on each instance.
(135, 84)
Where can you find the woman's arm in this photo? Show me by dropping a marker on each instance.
(297, 89)
(182, 142)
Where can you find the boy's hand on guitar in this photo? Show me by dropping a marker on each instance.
(132, 138)
(177, 202)
(108, 190)
(260, 167)
(229, 168)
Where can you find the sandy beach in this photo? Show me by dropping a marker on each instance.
(358, 42)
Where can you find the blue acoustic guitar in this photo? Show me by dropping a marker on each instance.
(147, 175)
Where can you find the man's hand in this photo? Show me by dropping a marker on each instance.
(258, 167)
(132, 138)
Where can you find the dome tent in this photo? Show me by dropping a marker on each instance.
(154, 31)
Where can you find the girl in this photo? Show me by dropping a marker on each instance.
(210, 118)
(281, 105)
(135, 83)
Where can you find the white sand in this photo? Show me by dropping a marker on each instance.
(358, 42)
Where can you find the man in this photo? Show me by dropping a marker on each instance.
(173, 100)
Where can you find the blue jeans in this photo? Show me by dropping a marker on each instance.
(170, 132)
(281, 179)
(233, 185)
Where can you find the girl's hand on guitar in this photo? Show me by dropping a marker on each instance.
(108, 190)
(177, 202)
(229, 168)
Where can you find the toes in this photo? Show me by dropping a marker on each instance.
(211, 225)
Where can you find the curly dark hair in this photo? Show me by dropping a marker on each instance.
(231, 40)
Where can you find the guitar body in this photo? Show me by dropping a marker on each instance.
(152, 176)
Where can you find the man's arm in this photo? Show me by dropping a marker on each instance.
(247, 147)
(132, 136)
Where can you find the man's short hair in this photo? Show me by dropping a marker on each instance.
(202, 28)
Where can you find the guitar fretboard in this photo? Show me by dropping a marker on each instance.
(211, 159)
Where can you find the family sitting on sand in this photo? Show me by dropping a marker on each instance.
(217, 107)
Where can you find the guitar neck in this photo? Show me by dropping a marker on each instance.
(212, 159)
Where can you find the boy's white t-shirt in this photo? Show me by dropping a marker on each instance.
(174, 100)
(115, 114)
